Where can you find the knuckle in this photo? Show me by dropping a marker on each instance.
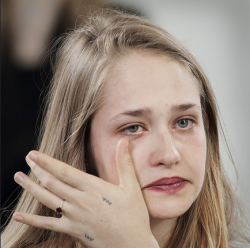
(128, 161)
(35, 193)
(82, 202)
(42, 160)
(46, 163)
(65, 172)
(27, 185)
(47, 202)
(47, 181)
(31, 221)
(35, 169)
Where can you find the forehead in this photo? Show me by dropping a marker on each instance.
(144, 76)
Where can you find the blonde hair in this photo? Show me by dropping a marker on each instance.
(82, 63)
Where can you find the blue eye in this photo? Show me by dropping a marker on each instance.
(133, 128)
(183, 123)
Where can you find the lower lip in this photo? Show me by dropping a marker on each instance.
(169, 189)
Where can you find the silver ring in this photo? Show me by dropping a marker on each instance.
(60, 207)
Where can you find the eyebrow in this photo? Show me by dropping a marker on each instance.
(183, 107)
(137, 112)
(147, 111)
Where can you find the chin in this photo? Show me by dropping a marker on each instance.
(166, 213)
(168, 207)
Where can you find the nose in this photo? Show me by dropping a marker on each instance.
(164, 151)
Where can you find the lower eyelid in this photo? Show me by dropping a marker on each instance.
(193, 122)
(127, 132)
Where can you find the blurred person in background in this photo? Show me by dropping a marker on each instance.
(27, 31)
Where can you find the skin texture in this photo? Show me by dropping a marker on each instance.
(160, 148)
(93, 208)
(162, 137)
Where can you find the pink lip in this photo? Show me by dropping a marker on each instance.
(168, 185)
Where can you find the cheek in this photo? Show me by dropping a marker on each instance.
(104, 159)
(195, 156)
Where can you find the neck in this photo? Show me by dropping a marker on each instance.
(162, 230)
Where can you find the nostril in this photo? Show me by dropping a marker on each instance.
(176, 162)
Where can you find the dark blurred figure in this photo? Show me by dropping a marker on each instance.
(28, 29)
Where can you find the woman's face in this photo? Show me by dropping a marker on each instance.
(154, 102)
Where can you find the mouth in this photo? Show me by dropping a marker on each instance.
(168, 185)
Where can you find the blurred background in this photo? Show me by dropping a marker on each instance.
(217, 32)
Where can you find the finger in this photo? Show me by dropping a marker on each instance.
(43, 195)
(60, 170)
(125, 167)
(49, 223)
(54, 185)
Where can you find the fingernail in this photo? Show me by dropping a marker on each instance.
(31, 158)
(18, 178)
(18, 218)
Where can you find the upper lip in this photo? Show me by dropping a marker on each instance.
(166, 181)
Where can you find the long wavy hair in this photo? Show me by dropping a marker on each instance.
(82, 63)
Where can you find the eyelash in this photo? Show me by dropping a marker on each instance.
(193, 122)
(132, 133)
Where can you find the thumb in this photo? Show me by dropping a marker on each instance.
(125, 167)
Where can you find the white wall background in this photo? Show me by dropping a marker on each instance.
(217, 32)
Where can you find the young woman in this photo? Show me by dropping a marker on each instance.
(129, 152)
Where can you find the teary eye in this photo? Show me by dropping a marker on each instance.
(133, 128)
(183, 123)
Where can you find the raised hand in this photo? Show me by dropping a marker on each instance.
(96, 212)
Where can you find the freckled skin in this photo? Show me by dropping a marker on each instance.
(160, 148)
